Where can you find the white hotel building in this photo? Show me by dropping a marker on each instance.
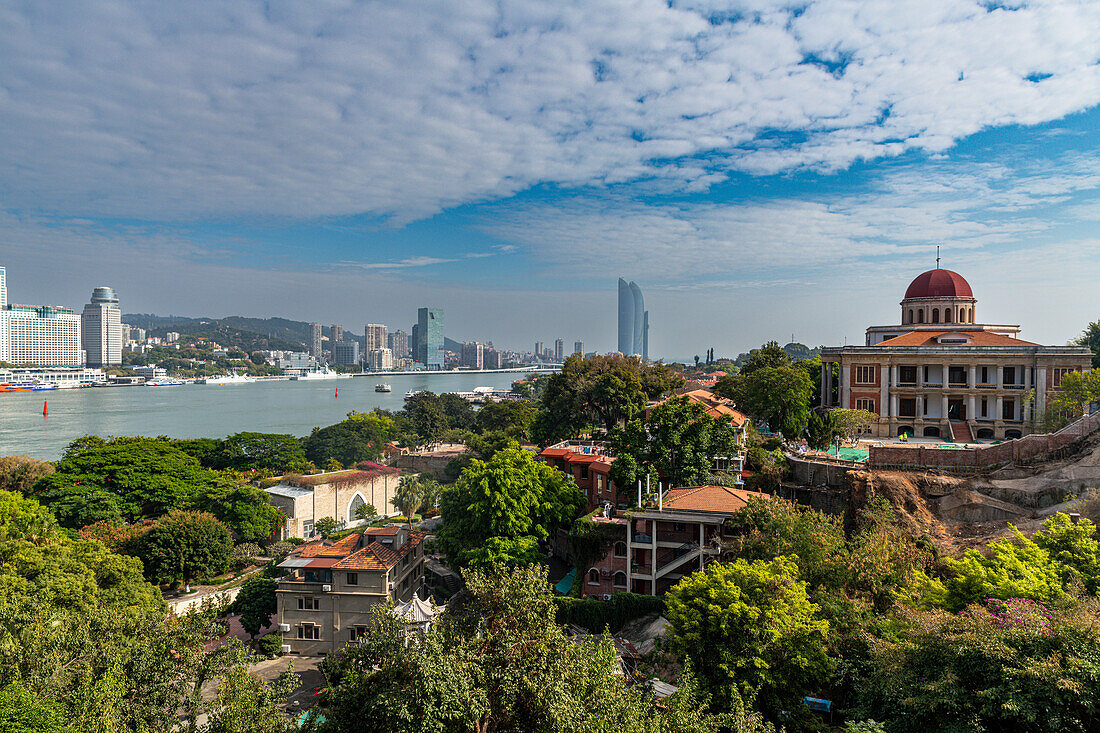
(45, 335)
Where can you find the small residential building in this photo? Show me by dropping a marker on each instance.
(336, 494)
(589, 464)
(657, 545)
(942, 374)
(327, 597)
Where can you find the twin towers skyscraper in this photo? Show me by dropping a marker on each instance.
(633, 321)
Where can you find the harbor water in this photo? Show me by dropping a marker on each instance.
(209, 411)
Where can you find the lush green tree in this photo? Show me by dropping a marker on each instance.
(500, 662)
(1075, 392)
(244, 508)
(485, 445)
(256, 602)
(253, 451)
(22, 711)
(426, 416)
(822, 429)
(1074, 546)
(1008, 666)
(360, 437)
(365, 511)
(21, 473)
(769, 356)
(458, 411)
(678, 441)
(1014, 568)
(777, 395)
(127, 479)
(185, 545)
(416, 491)
(1091, 339)
(767, 528)
(247, 704)
(597, 390)
(509, 416)
(325, 526)
(501, 509)
(750, 628)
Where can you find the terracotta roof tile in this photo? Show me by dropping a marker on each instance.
(977, 338)
(376, 556)
(714, 405)
(709, 499)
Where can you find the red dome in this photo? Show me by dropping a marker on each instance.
(939, 284)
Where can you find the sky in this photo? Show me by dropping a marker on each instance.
(763, 170)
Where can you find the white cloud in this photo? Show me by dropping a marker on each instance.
(160, 110)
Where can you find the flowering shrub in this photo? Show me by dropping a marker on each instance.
(1019, 614)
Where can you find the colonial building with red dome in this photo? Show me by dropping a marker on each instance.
(941, 374)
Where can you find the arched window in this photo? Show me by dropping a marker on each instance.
(910, 315)
(354, 505)
(935, 315)
(594, 576)
(969, 315)
(920, 316)
(947, 315)
(620, 580)
(620, 549)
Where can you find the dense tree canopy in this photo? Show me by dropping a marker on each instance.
(256, 602)
(502, 508)
(750, 630)
(1091, 339)
(678, 443)
(361, 437)
(416, 492)
(21, 473)
(776, 395)
(597, 390)
(184, 545)
(500, 662)
(274, 452)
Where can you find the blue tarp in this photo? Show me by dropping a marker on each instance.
(563, 585)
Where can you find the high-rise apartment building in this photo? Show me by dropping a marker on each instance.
(45, 335)
(493, 359)
(559, 349)
(335, 336)
(540, 348)
(633, 321)
(398, 343)
(345, 352)
(374, 336)
(5, 340)
(473, 355)
(315, 340)
(429, 347)
(578, 347)
(380, 360)
(101, 329)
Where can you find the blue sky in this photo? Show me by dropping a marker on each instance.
(761, 169)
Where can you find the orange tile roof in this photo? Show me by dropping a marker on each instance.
(977, 338)
(709, 499)
(714, 405)
(376, 556)
(324, 548)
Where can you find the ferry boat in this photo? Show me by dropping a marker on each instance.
(383, 388)
(164, 382)
(412, 393)
(226, 379)
(14, 387)
(42, 386)
(320, 374)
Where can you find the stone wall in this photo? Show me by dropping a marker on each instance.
(1021, 450)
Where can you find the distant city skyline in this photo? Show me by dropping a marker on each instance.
(790, 166)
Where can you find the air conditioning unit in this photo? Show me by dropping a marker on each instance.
(286, 648)
(326, 588)
(392, 584)
(607, 596)
(283, 628)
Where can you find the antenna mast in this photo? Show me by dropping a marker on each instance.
(937, 256)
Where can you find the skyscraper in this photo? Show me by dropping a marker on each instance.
(430, 333)
(374, 335)
(559, 349)
(540, 349)
(626, 318)
(473, 355)
(398, 343)
(578, 347)
(101, 329)
(5, 335)
(632, 320)
(639, 316)
(315, 340)
(335, 335)
(345, 352)
(645, 337)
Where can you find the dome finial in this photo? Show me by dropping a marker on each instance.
(937, 256)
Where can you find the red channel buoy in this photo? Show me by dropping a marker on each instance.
(45, 409)
(337, 393)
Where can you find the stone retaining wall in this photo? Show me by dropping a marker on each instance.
(1021, 450)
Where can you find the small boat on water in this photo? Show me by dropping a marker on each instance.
(164, 382)
(412, 393)
(226, 379)
(14, 387)
(42, 386)
(319, 374)
(383, 388)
